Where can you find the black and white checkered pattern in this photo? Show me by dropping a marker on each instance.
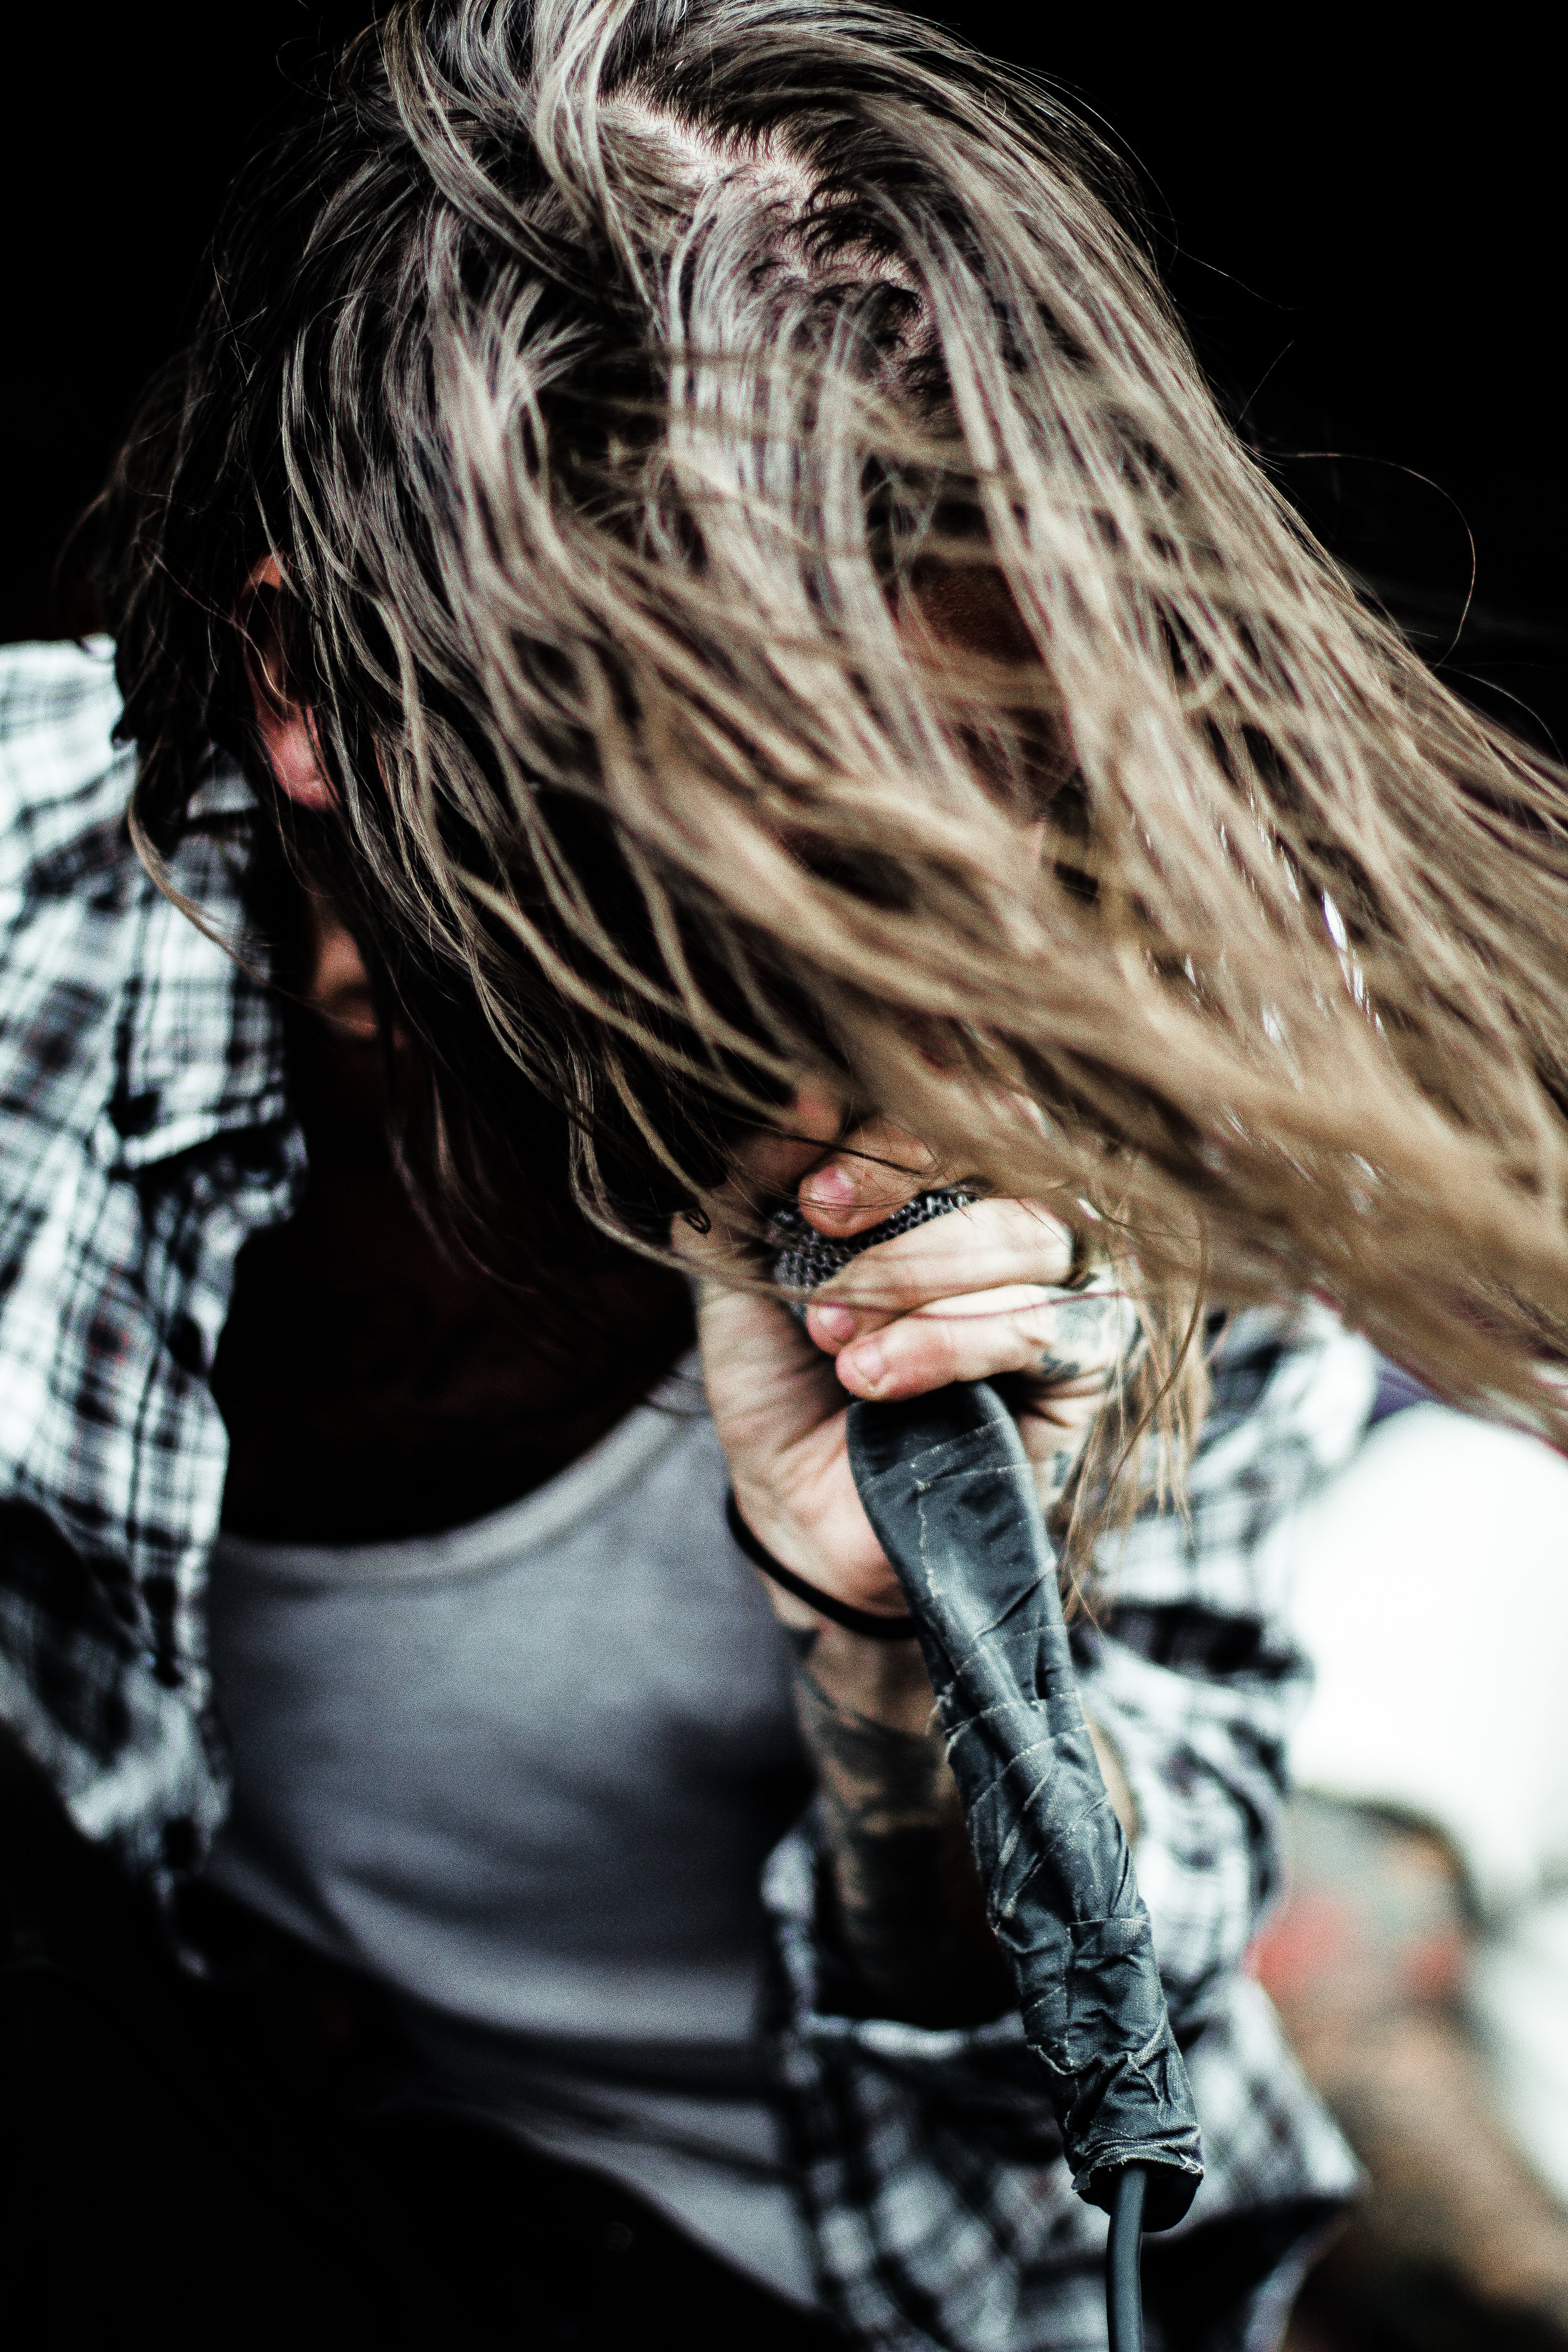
(144, 1134)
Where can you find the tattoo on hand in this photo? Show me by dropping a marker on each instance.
(1052, 1475)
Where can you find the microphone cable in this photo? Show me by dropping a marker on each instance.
(1123, 2260)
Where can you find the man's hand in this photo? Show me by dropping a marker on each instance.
(971, 1295)
(974, 1294)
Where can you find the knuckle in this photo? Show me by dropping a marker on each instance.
(917, 1355)
(1047, 1246)
(879, 1282)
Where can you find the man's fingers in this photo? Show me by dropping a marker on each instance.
(873, 1172)
(1012, 1328)
(985, 1246)
(844, 1185)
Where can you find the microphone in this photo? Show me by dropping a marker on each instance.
(951, 1494)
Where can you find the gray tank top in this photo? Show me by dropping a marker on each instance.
(525, 1774)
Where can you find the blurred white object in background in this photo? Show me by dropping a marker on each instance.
(1429, 1584)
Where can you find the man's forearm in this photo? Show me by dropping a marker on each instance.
(911, 1916)
(911, 1910)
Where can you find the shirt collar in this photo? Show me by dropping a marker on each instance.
(200, 1045)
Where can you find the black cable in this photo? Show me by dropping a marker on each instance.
(1123, 2248)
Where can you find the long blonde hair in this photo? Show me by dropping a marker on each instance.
(631, 393)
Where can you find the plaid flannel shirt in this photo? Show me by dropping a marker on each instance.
(144, 1134)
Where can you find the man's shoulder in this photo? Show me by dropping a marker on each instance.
(64, 781)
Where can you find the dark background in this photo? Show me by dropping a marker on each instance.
(1364, 240)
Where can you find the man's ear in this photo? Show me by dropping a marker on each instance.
(285, 725)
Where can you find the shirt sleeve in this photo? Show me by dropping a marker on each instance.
(1193, 1671)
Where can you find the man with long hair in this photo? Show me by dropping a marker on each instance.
(689, 644)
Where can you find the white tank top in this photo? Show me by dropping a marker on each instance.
(525, 1774)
